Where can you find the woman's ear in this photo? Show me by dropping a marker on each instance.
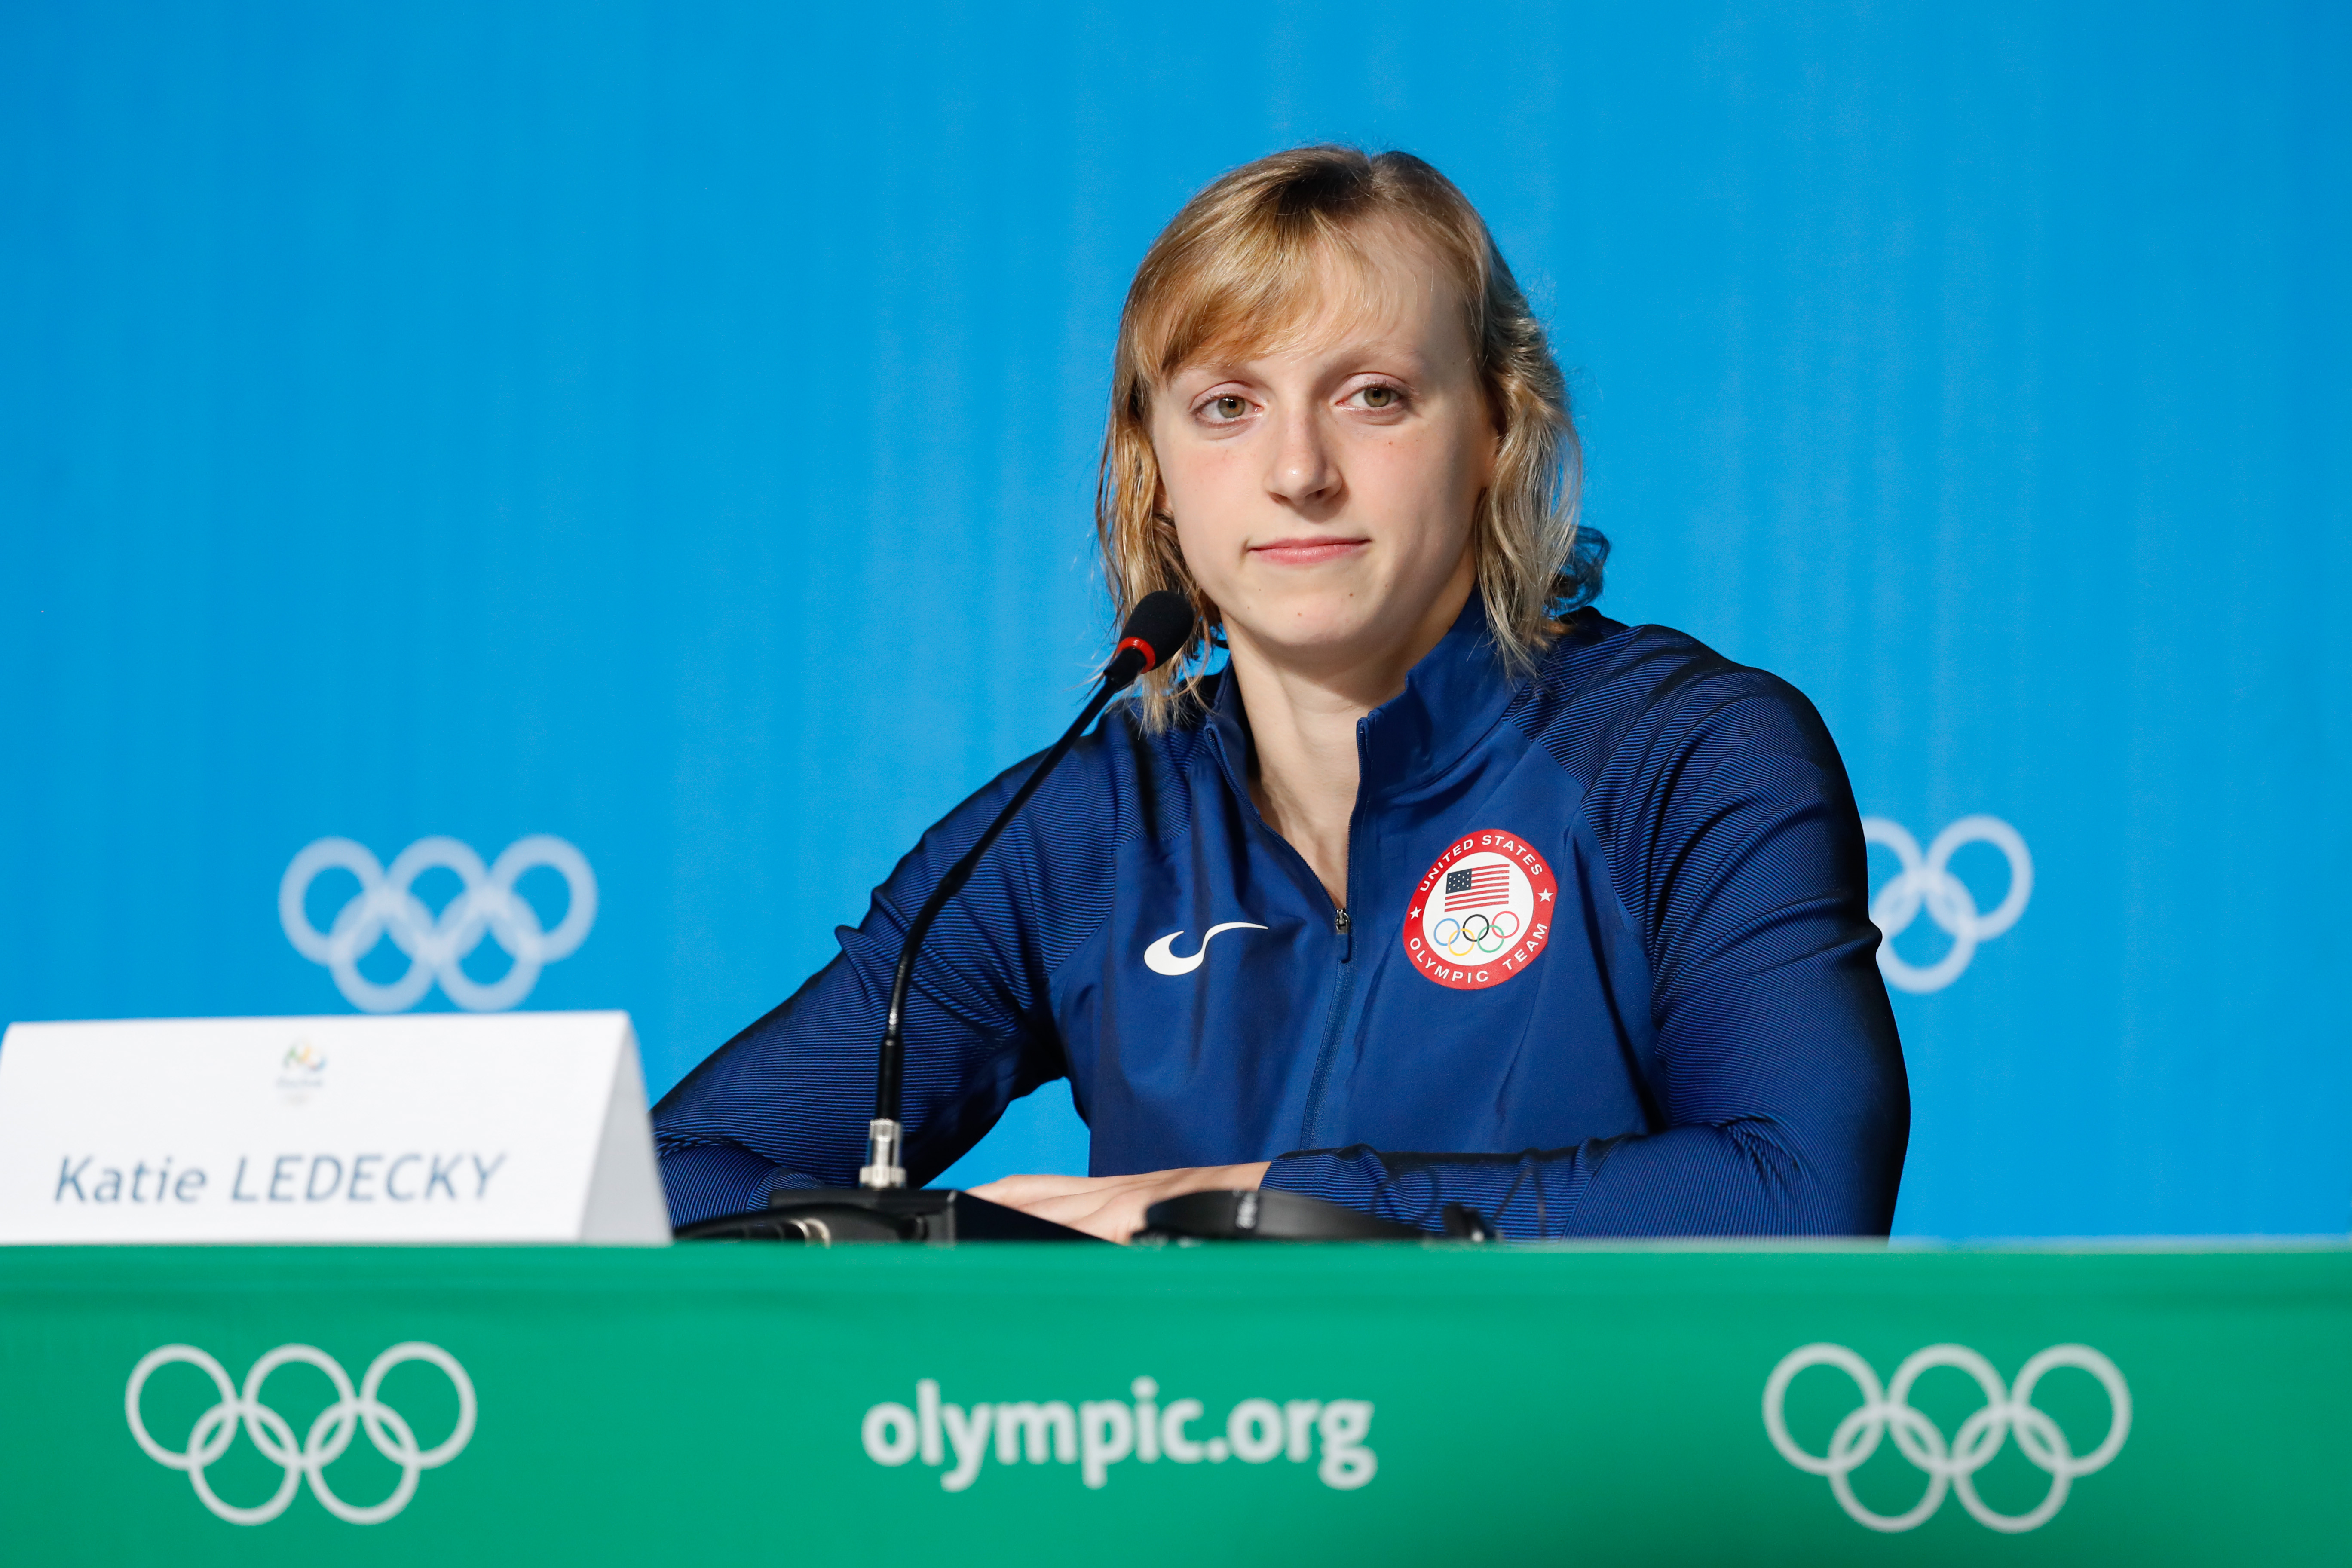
(1498, 430)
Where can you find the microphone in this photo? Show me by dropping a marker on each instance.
(1156, 631)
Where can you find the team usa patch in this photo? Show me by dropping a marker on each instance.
(1482, 913)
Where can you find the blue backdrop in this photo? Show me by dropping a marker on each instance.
(493, 420)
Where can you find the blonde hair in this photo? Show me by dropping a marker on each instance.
(1237, 265)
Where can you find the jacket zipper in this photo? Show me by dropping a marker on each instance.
(1343, 984)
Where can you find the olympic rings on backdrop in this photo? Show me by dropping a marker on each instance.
(329, 1437)
(488, 904)
(1441, 937)
(1926, 882)
(1949, 1466)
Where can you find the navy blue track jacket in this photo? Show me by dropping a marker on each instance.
(1606, 967)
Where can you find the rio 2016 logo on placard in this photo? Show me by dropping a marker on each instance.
(1925, 882)
(486, 904)
(354, 1411)
(1950, 1465)
(1095, 1434)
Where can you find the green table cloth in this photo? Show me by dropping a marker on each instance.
(1246, 1404)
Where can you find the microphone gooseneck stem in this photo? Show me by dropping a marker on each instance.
(884, 1168)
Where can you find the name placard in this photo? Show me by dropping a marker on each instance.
(516, 1127)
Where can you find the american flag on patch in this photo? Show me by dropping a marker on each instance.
(1480, 885)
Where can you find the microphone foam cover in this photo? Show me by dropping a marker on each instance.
(1163, 622)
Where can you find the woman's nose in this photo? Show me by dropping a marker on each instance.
(1303, 469)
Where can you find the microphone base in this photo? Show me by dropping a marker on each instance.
(936, 1216)
(1269, 1214)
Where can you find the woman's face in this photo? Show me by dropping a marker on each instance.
(1323, 491)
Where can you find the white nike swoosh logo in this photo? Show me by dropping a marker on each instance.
(1160, 956)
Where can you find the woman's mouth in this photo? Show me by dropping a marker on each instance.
(1306, 551)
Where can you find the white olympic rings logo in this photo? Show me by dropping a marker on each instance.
(1926, 882)
(1949, 1466)
(487, 903)
(329, 1435)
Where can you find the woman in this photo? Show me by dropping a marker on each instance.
(1446, 889)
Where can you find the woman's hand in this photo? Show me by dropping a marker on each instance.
(1112, 1206)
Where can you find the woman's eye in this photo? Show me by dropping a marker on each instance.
(1231, 405)
(1378, 396)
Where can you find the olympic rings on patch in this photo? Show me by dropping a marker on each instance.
(1949, 1466)
(329, 1437)
(1481, 913)
(1477, 933)
(487, 905)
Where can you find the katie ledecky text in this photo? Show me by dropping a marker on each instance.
(356, 1178)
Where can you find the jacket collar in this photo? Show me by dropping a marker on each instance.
(1450, 700)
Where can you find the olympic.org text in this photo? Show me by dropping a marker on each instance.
(1097, 1433)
